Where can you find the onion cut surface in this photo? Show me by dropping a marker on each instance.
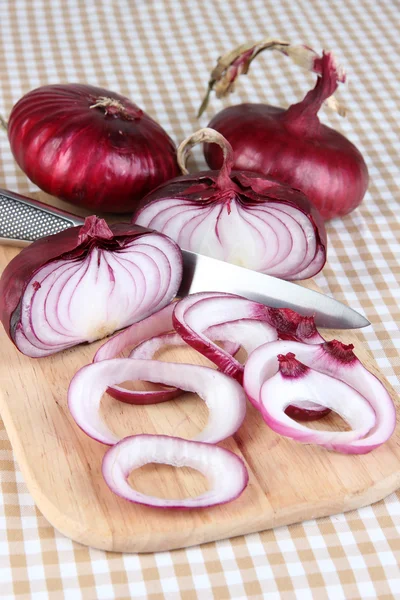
(237, 216)
(286, 373)
(84, 283)
(224, 397)
(225, 472)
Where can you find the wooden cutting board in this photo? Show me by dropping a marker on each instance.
(289, 482)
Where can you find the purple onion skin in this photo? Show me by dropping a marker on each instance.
(155, 397)
(73, 243)
(305, 414)
(252, 189)
(327, 167)
(293, 146)
(105, 158)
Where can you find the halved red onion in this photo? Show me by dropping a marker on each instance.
(336, 360)
(224, 397)
(239, 217)
(84, 283)
(225, 471)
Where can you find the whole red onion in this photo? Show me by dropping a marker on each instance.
(89, 146)
(290, 145)
(237, 216)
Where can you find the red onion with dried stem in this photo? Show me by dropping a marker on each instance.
(290, 145)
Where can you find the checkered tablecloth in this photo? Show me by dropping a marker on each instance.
(160, 53)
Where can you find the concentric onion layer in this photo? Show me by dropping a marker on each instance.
(224, 397)
(333, 378)
(69, 301)
(226, 473)
(270, 237)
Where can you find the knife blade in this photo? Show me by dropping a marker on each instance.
(23, 220)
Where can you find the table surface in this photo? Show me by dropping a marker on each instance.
(159, 53)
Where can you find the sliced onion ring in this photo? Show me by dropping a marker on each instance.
(157, 324)
(225, 471)
(224, 397)
(330, 358)
(195, 313)
(278, 392)
(150, 335)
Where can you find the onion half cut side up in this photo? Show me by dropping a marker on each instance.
(237, 216)
(290, 145)
(286, 373)
(84, 283)
(226, 473)
(224, 397)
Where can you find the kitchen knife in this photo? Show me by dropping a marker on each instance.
(24, 220)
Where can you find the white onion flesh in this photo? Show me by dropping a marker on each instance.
(149, 336)
(273, 238)
(223, 396)
(226, 473)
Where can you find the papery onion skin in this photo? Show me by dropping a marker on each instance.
(103, 157)
(292, 146)
(240, 217)
(73, 246)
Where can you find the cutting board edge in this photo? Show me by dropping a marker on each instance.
(74, 529)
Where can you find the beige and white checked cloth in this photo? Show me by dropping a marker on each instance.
(159, 53)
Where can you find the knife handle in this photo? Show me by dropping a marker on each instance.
(24, 220)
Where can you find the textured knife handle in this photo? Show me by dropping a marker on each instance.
(23, 220)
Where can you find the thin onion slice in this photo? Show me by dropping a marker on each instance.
(231, 336)
(280, 391)
(192, 315)
(150, 335)
(157, 324)
(195, 313)
(339, 362)
(225, 471)
(224, 397)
